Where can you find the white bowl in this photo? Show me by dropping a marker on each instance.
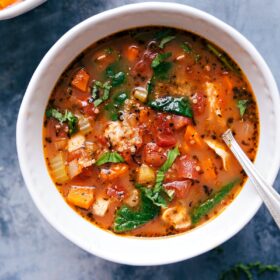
(19, 8)
(137, 251)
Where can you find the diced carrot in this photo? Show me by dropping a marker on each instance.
(208, 168)
(81, 196)
(113, 172)
(6, 3)
(192, 137)
(144, 115)
(132, 53)
(81, 79)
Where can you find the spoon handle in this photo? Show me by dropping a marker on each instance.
(269, 195)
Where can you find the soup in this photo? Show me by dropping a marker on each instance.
(132, 132)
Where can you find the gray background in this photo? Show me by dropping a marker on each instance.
(29, 247)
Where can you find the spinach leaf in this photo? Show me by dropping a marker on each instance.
(166, 40)
(115, 105)
(109, 157)
(118, 79)
(160, 58)
(204, 208)
(176, 105)
(112, 72)
(158, 194)
(106, 87)
(242, 106)
(67, 117)
(161, 67)
(186, 47)
(128, 219)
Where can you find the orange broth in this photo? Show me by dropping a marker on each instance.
(108, 104)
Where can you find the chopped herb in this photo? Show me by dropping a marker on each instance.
(106, 87)
(115, 105)
(157, 194)
(242, 106)
(166, 40)
(118, 79)
(107, 157)
(186, 47)
(67, 117)
(162, 34)
(204, 208)
(248, 270)
(128, 219)
(224, 59)
(120, 98)
(160, 58)
(176, 105)
(160, 66)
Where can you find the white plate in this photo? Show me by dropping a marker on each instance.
(137, 251)
(19, 8)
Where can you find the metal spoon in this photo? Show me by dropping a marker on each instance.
(268, 194)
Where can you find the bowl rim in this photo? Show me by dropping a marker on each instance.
(19, 8)
(63, 41)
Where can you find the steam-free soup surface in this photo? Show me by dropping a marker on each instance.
(132, 132)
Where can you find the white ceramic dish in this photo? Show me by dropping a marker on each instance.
(137, 251)
(19, 8)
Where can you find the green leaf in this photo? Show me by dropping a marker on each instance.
(160, 58)
(224, 59)
(120, 98)
(107, 157)
(186, 47)
(176, 105)
(158, 194)
(242, 106)
(67, 117)
(118, 79)
(162, 33)
(204, 208)
(166, 40)
(106, 87)
(127, 218)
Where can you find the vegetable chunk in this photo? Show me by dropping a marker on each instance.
(81, 196)
(81, 79)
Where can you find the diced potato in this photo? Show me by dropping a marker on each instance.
(177, 216)
(74, 168)
(220, 150)
(81, 196)
(141, 94)
(58, 168)
(100, 206)
(76, 142)
(146, 174)
(133, 199)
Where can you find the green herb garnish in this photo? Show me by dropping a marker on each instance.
(106, 87)
(67, 117)
(160, 66)
(186, 47)
(176, 105)
(118, 79)
(162, 34)
(204, 208)
(166, 40)
(128, 219)
(158, 194)
(242, 106)
(107, 157)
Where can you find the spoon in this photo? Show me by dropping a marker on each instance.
(268, 194)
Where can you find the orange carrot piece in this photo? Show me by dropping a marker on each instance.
(81, 79)
(208, 168)
(132, 53)
(81, 196)
(115, 171)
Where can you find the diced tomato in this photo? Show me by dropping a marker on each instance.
(116, 191)
(115, 171)
(181, 188)
(180, 121)
(77, 154)
(153, 155)
(186, 168)
(87, 172)
(89, 110)
(163, 131)
(198, 103)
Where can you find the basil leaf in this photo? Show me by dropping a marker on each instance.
(109, 157)
(242, 106)
(127, 219)
(158, 194)
(160, 58)
(68, 117)
(176, 105)
(166, 40)
(204, 208)
(186, 47)
(118, 79)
